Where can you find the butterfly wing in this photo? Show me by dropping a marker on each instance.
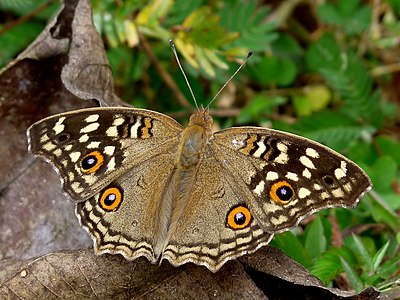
(122, 217)
(92, 147)
(215, 225)
(286, 177)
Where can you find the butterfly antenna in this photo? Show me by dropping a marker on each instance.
(233, 75)
(172, 44)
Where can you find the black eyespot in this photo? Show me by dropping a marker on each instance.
(281, 192)
(284, 193)
(238, 217)
(92, 162)
(89, 162)
(62, 138)
(328, 180)
(111, 198)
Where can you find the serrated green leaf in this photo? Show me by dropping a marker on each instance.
(352, 276)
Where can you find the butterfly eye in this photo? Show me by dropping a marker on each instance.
(92, 162)
(281, 192)
(239, 217)
(111, 199)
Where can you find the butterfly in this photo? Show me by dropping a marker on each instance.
(144, 185)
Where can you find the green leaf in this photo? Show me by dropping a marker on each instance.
(16, 39)
(324, 128)
(383, 173)
(315, 242)
(378, 257)
(259, 106)
(352, 276)
(363, 253)
(327, 266)
(348, 14)
(291, 245)
(249, 20)
(271, 70)
(381, 212)
(389, 146)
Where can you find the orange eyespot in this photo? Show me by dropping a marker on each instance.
(92, 162)
(281, 192)
(111, 199)
(239, 217)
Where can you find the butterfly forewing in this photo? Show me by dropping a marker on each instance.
(288, 176)
(92, 147)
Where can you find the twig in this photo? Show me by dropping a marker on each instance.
(26, 17)
(164, 74)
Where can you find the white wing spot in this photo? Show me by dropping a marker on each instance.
(324, 195)
(312, 153)
(49, 146)
(92, 118)
(303, 193)
(259, 188)
(75, 156)
(317, 187)
(307, 162)
(343, 166)
(111, 164)
(283, 158)
(89, 128)
(44, 138)
(347, 187)
(278, 221)
(118, 121)
(307, 173)
(112, 131)
(260, 150)
(282, 147)
(272, 176)
(109, 150)
(59, 126)
(292, 176)
(238, 144)
(93, 145)
(76, 186)
(84, 138)
(134, 129)
(337, 193)
(339, 174)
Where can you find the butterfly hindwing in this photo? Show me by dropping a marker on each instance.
(288, 176)
(91, 147)
(216, 225)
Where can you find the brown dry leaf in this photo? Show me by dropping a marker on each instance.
(66, 64)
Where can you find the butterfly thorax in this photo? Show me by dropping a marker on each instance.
(195, 138)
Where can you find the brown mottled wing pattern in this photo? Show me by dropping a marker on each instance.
(206, 233)
(288, 177)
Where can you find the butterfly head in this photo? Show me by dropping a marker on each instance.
(202, 118)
